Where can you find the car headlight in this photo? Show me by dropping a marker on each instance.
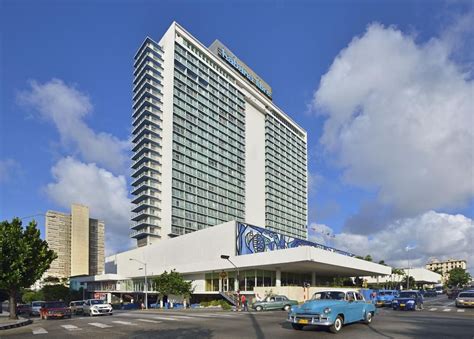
(327, 310)
(461, 300)
(410, 302)
(395, 301)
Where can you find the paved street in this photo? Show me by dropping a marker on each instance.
(437, 320)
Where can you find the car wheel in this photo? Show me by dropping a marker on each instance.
(336, 327)
(368, 318)
(259, 308)
(297, 327)
(287, 307)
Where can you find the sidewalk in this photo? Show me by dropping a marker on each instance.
(6, 323)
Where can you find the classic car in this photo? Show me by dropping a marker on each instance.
(465, 299)
(276, 302)
(24, 309)
(408, 300)
(77, 306)
(96, 307)
(54, 309)
(385, 297)
(332, 309)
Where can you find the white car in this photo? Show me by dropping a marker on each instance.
(96, 307)
(35, 307)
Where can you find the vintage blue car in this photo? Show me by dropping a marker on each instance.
(408, 300)
(332, 309)
(385, 297)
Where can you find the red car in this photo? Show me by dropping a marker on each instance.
(54, 309)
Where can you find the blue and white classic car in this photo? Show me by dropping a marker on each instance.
(332, 309)
(385, 297)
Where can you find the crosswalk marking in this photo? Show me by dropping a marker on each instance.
(101, 325)
(71, 327)
(447, 310)
(461, 310)
(124, 322)
(433, 309)
(39, 330)
(165, 318)
(149, 321)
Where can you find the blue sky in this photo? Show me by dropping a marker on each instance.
(89, 46)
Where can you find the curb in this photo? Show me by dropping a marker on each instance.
(21, 323)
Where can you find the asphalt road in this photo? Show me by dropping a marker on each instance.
(437, 323)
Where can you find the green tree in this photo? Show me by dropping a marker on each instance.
(29, 296)
(412, 282)
(172, 283)
(24, 258)
(382, 262)
(56, 292)
(368, 257)
(358, 281)
(458, 277)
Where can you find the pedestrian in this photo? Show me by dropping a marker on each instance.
(243, 300)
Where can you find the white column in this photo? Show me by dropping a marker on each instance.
(313, 278)
(278, 278)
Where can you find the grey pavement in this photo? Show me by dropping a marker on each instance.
(215, 324)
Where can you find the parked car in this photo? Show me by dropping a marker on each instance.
(332, 309)
(430, 293)
(23, 309)
(408, 300)
(35, 307)
(385, 297)
(465, 299)
(276, 302)
(77, 306)
(96, 307)
(54, 309)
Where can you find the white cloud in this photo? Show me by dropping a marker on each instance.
(399, 120)
(104, 193)
(7, 167)
(67, 108)
(320, 233)
(429, 235)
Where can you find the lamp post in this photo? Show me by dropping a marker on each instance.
(408, 248)
(226, 257)
(146, 280)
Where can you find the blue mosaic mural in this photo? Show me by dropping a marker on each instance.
(252, 239)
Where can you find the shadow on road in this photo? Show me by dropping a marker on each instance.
(258, 331)
(198, 333)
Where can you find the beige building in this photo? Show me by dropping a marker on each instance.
(78, 241)
(445, 266)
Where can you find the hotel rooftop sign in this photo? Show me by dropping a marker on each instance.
(219, 49)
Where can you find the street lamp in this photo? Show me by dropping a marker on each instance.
(226, 257)
(408, 248)
(146, 280)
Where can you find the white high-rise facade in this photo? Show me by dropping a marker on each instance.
(209, 144)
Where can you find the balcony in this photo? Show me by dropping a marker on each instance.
(145, 204)
(145, 167)
(144, 223)
(145, 212)
(143, 233)
(147, 157)
(149, 193)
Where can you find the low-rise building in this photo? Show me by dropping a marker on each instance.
(262, 258)
(445, 266)
(421, 275)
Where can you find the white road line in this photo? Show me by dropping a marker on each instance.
(447, 310)
(182, 317)
(71, 327)
(100, 325)
(149, 321)
(433, 309)
(124, 322)
(165, 318)
(460, 310)
(39, 330)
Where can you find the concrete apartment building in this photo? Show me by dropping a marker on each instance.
(446, 266)
(77, 240)
(209, 144)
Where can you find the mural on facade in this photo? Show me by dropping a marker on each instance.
(253, 239)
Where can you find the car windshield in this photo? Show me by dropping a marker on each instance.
(331, 295)
(407, 295)
(385, 293)
(466, 295)
(37, 303)
(97, 302)
(56, 304)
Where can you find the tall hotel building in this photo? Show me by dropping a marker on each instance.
(209, 144)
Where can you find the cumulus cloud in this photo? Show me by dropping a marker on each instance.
(67, 108)
(104, 193)
(429, 235)
(399, 120)
(7, 167)
(320, 233)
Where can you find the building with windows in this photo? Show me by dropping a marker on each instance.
(444, 267)
(209, 144)
(77, 240)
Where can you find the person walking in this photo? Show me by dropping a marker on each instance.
(244, 303)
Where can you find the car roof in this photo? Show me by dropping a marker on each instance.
(345, 290)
